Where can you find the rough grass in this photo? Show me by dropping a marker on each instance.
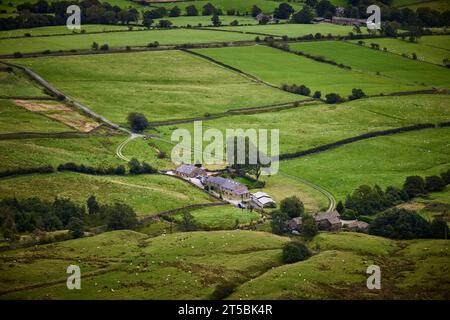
(118, 40)
(146, 194)
(383, 160)
(205, 21)
(17, 84)
(436, 41)
(176, 266)
(391, 66)
(278, 67)
(162, 85)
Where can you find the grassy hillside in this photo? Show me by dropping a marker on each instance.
(383, 160)
(129, 266)
(16, 84)
(162, 85)
(41, 31)
(372, 61)
(146, 194)
(278, 67)
(205, 21)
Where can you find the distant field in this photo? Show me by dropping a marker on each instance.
(436, 41)
(338, 271)
(146, 194)
(15, 83)
(310, 126)
(383, 160)
(424, 52)
(183, 21)
(393, 67)
(145, 151)
(278, 67)
(61, 30)
(296, 30)
(17, 119)
(118, 39)
(440, 5)
(162, 85)
(181, 266)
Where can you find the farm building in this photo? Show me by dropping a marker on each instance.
(227, 188)
(328, 220)
(358, 226)
(295, 223)
(263, 200)
(189, 171)
(348, 21)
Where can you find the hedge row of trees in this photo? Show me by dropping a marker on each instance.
(330, 98)
(30, 215)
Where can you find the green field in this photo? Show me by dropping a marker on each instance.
(424, 52)
(384, 161)
(440, 5)
(442, 42)
(16, 119)
(370, 61)
(118, 40)
(296, 30)
(57, 30)
(16, 84)
(311, 126)
(162, 85)
(338, 271)
(146, 194)
(205, 21)
(278, 67)
(435, 204)
(130, 266)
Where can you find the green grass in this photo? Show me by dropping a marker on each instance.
(15, 83)
(383, 160)
(176, 266)
(442, 42)
(57, 30)
(146, 194)
(147, 151)
(162, 85)
(424, 52)
(222, 217)
(310, 126)
(393, 67)
(295, 30)
(17, 119)
(278, 67)
(118, 40)
(205, 21)
(440, 5)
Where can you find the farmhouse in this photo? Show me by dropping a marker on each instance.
(189, 171)
(263, 200)
(295, 223)
(348, 21)
(328, 220)
(358, 226)
(227, 188)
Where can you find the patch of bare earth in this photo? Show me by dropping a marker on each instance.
(64, 115)
(413, 206)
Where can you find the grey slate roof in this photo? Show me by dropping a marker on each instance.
(227, 184)
(333, 217)
(186, 169)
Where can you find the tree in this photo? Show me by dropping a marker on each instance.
(92, 204)
(135, 166)
(175, 12)
(292, 206)
(439, 229)
(332, 98)
(340, 207)
(164, 24)
(414, 186)
(76, 227)
(283, 11)
(309, 227)
(317, 95)
(187, 222)
(434, 184)
(209, 9)
(389, 29)
(104, 47)
(295, 251)
(147, 23)
(120, 216)
(256, 11)
(279, 222)
(325, 9)
(216, 20)
(305, 15)
(356, 94)
(191, 11)
(95, 45)
(120, 170)
(8, 224)
(137, 121)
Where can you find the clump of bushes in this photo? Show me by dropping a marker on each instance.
(295, 251)
(73, 167)
(301, 90)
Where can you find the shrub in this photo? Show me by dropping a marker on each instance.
(439, 229)
(137, 121)
(18, 55)
(76, 227)
(295, 251)
(279, 222)
(317, 95)
(434, 183)
(414, 186)
(309, 227)
(292, 206)
(104, 47)
(356, 94)
(120, 216)
(332, 98)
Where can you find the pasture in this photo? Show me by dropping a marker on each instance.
(146, 194)
(436, 41)
(15, 83)
(163, 85)
(383, 160)
(204, 21)
(278, 67)
(370, 61)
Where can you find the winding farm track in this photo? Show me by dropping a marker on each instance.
(119, 149)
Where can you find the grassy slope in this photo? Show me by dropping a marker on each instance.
(147, 194)
(60, 30)
(295, 30)
(278, 67)
(424, 52)
(16, 119)
(436, 41)
(311, 126)
(176, 266)
(338, 271)
(371, 61)
(383, 160)
(184, 21)
(17, 84)
(162, 85)
(117, 39)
